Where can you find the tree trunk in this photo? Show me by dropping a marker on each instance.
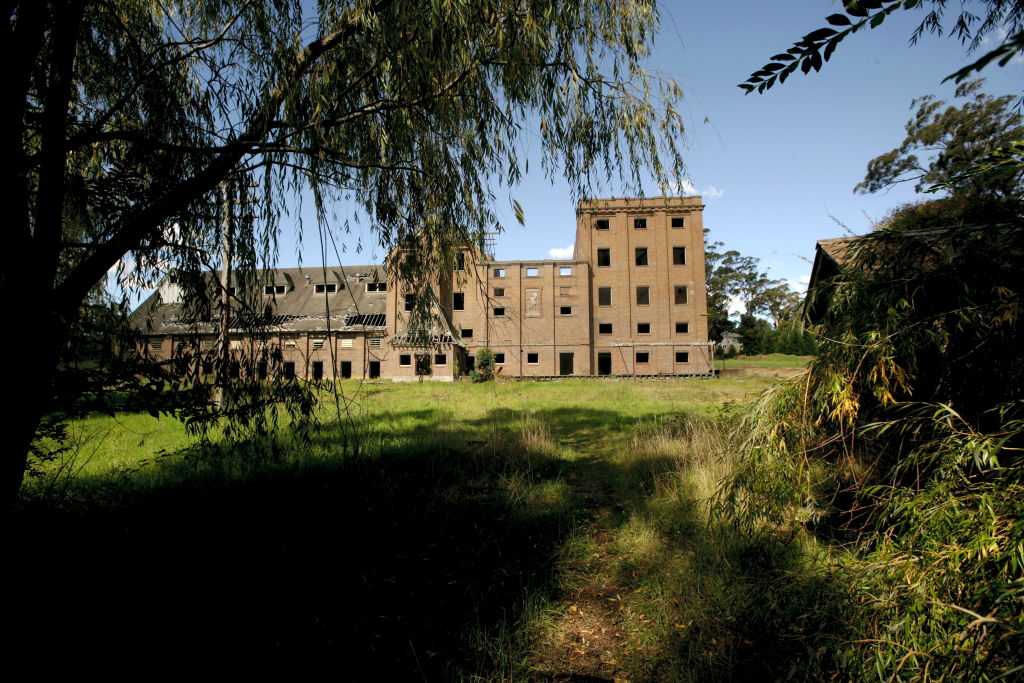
(30, 349)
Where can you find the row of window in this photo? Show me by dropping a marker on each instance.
(405, 359)
(680, 297)
(641, 257)
(642, 328)
(320, 288)
(533, 358)
(643, 295)
(638, 223)
(563, 271)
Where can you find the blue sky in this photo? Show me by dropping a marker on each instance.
(776, 170)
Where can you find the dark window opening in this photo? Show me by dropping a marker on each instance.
(499, 291)
(499, 311)
(640, 223)
(678, 222)
(682, 328)
(458, 301)
(641, 256)
(499, 272)
(274, 289)
(532, 358)
(318, 369)
(327, 288)
(405, 359)
(643, 356)
(460, 261)
(679, 256)
(643, 328)
(643, 296)
(467, 333)
(440, 359)
(604, 296)
(499, 359)
(423, 364)
(565, 310)
(410, 302)
(604, 328)
(376, 286)
(680, 294)
(682, 356)
(602, 224)
(604, 257)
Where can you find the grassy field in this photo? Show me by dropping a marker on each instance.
(771, 360)
(502, 531)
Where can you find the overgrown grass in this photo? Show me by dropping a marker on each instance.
(440, 548)
(770, 360)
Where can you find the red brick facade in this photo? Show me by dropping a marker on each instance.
(632, 301)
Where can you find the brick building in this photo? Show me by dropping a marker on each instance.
(631, 301)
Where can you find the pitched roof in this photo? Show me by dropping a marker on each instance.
(299, 309)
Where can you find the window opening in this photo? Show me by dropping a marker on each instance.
(641, 256)
(680, 294)
(643, 296)
(679, 256)
(604, 257)
(604, 296)
(604, 328)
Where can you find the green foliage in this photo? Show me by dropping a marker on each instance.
(954, 141)
(902, 444)
(483, 366)
(133, 124)
(728, 275)
(810, 52)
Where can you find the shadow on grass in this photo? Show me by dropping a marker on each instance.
(364, 568)
(368, 568)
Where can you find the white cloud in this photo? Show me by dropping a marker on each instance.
(736, 306)
(561, 252)
(800, 284)
(685, 187)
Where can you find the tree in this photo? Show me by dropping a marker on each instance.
(127, 121)
(954, 141)
(1005, 17)
(729, 276)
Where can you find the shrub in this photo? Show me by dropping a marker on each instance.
(483, 368)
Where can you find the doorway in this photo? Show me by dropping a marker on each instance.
(604, 363)
(423, 364)
(346, 369)
(374, 369)
(565, 363)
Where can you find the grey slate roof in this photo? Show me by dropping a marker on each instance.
(300, 309)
